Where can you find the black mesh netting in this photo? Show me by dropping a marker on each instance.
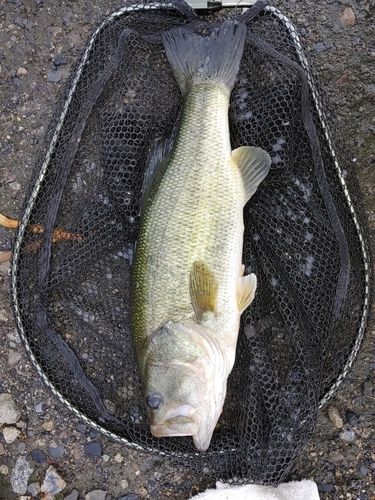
(303, 239)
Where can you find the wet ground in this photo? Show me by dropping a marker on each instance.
(39, 43)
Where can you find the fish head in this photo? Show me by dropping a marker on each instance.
(185, 376)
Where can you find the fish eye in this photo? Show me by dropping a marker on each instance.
(154, 401)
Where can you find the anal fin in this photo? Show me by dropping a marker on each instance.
(203, 289)
(246, 287)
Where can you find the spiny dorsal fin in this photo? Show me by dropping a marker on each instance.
(203, 289)
(254, 164)
(246, 287)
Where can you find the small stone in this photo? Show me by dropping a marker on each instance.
(2, 449)
(118, 458)
(325, 487)
(54, 75)
(93, 433)
(14, 186)
(20, 476)
(351, 417)
(142, 491)
(363, 470)
(38, 408)
(38, 456)
(14, 357)
(105, 458)
(348, 17)
(21, 71)
(96, 495)
(347, 435)
(368, 387)
(59, 60)
(10, 434)
(21, 447)
(9, 411)
(320, 47)
(49, 425)
(124, 484)
(52, 483)
(94, 449)
(33, 489)
(130, 496)
(335, 417)
(4, 470)
(72, 496)
(81, 428)
(56, 451)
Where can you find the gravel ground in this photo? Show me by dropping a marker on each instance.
(45, 451)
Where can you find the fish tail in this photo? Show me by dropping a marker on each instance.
(196, 59)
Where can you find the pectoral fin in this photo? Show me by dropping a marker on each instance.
(254, 164)
(203, 289)
(246, 287)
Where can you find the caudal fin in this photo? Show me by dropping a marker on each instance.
(195, 59)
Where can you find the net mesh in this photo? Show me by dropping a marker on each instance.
(303, 239)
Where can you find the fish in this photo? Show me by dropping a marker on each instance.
(188, 288)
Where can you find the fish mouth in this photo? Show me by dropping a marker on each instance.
(176, 421)
(175, 427)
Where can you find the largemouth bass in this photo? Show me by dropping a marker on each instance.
(188, 287)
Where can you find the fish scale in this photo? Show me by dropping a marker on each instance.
(184, 222)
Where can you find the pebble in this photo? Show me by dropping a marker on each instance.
(72, 496)
(335, 417)
(9, 411)
(52, 483)
(351, 417)
(4, 470)
(347, 435)
(49, 425)
(81, 428)
(59, 60)
(124, 484)
(33, 489)
(21, 447)
(14, 186)
(368, 387)
(118, 458)
(10, 434)
(14, 357)
(21, 71)
(38, 408)
(56, 451)
(130, 496)
(38, 456)
(325, 487)
(20, 475)
(3, 315)
(96, 495)
(2, 449)
(94, 449)
(54, 75)
(320, 47)
(348, 17)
